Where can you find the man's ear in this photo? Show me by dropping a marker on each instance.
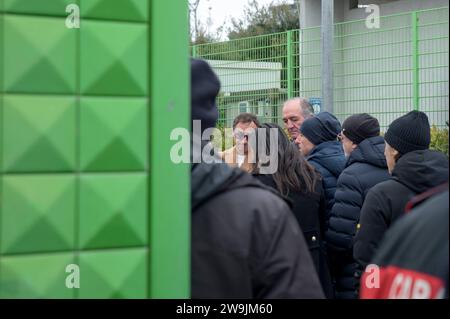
(395, 153)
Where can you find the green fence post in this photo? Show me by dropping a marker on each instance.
(194, 51)
(415, 61)
(289, 54)
(170, 215)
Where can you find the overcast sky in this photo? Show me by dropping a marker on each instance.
(223, 10)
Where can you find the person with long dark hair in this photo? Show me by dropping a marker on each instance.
(298, 181)
(241, 230)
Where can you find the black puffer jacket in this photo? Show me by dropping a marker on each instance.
(329, 160)
(414, 173)
(246, 242)
(365, 167)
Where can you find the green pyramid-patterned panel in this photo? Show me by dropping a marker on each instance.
(113, 211)
(130, 10)
(44, 7)
(113, 59)
(35, 276)
(113, 134)
(39, 133)
(114, 274)
(38, 213)
(1, 50)
(39, 56)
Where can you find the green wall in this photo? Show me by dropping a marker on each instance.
(85, 173)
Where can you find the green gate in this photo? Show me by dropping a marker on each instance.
(86, 182)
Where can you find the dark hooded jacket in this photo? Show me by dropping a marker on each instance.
(329, 160)
(246, 242)
(309, 210)
(414, 173)
(365, 167)
(413, 254)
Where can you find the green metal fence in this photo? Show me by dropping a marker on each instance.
(388, 71)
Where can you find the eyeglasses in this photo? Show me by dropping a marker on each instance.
(240, 135)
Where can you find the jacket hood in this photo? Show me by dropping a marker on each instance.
(210, 180)
(205, 86)
(421, 170)
(330, 155)
(369, 151)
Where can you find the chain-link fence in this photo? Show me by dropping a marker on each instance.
(385, 71)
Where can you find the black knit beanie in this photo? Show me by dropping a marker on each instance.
(321, 128)
(358, 127)
(204, 89)
(408, 133)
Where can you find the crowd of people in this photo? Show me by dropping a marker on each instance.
(342, 200)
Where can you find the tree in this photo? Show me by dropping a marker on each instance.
(199, 33)
(193, 19)
(203, 36)
(259, 20)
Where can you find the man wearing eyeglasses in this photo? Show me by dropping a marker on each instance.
(242, 155)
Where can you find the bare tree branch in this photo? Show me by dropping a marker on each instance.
(193, 7)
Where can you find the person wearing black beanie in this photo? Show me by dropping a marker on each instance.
(205, 86)
(322, 128)
(414, 169)
(357, 128)
(408, 133)
(318, 141)
(365, 167)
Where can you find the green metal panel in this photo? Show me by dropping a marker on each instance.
(113, 59)
(415, 57)
(386, 71)
(130, 10)
(78, 181)
(38, 213)
(37, 46)
(39, 133)
(113, 211)
(433, 60)
(38, 7)
(169, 183)
(114, 274)
(2, 291)
(111, 134)
(35, 276)
(289, 65)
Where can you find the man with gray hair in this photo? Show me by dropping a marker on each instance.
(295, 112)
